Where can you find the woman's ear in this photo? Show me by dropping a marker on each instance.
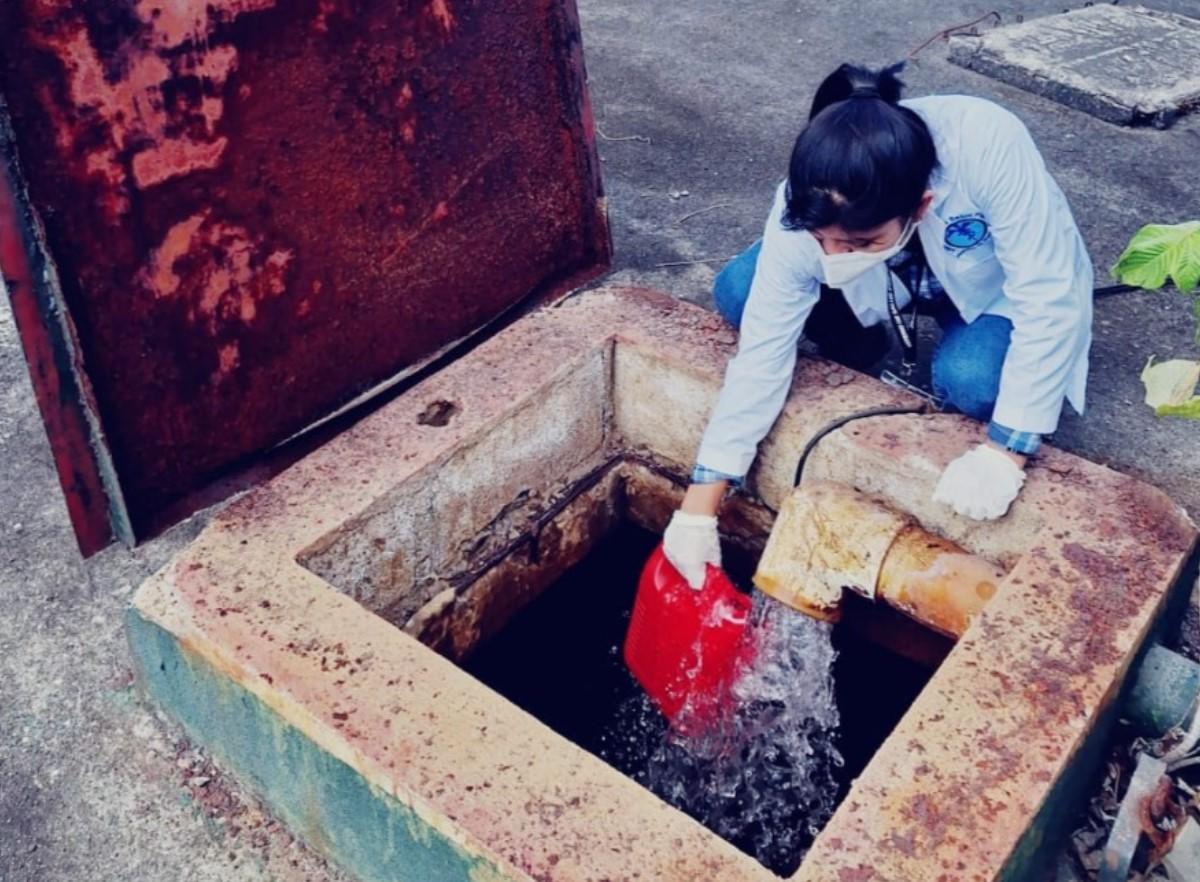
(923, 205)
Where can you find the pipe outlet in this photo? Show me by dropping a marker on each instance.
(829, 537)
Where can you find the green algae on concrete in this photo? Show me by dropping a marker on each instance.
(368, 832)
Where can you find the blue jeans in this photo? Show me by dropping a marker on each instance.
(966, 363)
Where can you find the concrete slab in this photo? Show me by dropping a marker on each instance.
(1128, 65)
(445, 771)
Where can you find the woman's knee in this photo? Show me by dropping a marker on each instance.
(968, 363)
(731, 287)
(968, 391)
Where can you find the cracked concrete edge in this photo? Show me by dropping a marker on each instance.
(1004, 54)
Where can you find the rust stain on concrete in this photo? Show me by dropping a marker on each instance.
(1091, 559)
(947, 796)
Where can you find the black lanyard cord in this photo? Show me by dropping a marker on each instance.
(906, 333)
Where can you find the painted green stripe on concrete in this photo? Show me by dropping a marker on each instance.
(322, 800)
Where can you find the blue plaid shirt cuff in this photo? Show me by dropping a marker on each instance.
(1010, 439)
(704, 475)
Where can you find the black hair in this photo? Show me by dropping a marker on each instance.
(862, 159)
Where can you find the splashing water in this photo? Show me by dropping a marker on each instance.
(765, 774)
(762, 775)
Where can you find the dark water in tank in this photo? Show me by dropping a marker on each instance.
(808, 718)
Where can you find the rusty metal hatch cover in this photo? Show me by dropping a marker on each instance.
(221, 220)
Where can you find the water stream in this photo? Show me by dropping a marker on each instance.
(764, 775)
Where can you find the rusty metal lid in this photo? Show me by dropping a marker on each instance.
(221, 220)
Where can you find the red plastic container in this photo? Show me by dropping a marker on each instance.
(683, 644)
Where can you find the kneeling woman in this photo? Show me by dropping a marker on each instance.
(939, 205)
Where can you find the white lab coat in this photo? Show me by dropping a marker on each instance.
(999, 237)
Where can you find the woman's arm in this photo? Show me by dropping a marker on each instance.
(1048, 282)
(1047, 276)
(782, 295)
(704, 499)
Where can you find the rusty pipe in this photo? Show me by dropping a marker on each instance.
(829, 537)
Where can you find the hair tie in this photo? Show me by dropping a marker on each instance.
(865, 92)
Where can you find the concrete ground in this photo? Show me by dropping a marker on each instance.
(698, 104)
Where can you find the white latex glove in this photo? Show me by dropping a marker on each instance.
(980, 484)
(690, 542)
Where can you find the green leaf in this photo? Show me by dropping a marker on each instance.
(1161, 251)
(1190, 409)
(1171, 387)
(1185, 262)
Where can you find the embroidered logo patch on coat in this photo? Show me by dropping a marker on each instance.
(965, 232)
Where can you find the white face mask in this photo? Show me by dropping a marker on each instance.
(841, 269)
